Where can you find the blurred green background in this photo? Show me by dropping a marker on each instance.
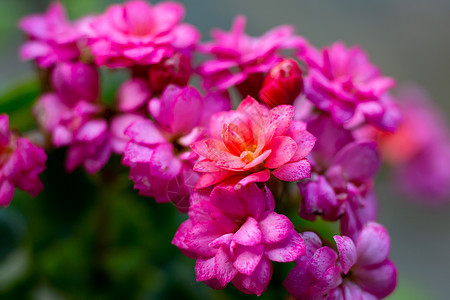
(75, 241)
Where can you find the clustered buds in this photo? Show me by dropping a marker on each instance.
(305, 136)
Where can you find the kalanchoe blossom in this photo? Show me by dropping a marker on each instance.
(21, 162)
(282, 84)
(242, 60)
(234, 236)
(75, 82)
(363, 272)
(419, 151)
(158, 153)
(52, 38)
(138, 33)
(86, 136)
(343, 82)
(342, 177)
(254, 142)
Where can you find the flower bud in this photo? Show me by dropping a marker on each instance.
(282, 84)
(74, 82)
(176, 69)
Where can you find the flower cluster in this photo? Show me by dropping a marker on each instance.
(308, 132)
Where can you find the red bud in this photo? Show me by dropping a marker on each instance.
(282, 84)
(174, 70)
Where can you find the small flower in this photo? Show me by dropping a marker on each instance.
(343, 82)
(79, 128)
(234, 236)
(158, 153)
(253, 142)
(21, 162)
(363, 272)
(242, 60)
(75, 82)
(137, 33)
(342, 174)
(52, 38)
(282, 84)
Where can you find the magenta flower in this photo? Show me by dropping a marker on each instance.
(52, 38)
(234, 236)
(242, 60)
(86, 136)
(253, 142)
(341, 180)
(363, 272)
(343, 82)
(159, 155)
(75, 82)
(21, 162)
(118, 125)
(137, 33)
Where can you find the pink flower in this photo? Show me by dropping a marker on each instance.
(241, 60)
(343, 82)
(342, 177)
(234, 236)
(79, 128)
(21, 162)
(52, 38)
(282, 84)
(419, 151)
(253, 142)
(363, 272)
(158, 153)
(75, 82)
(137, 33)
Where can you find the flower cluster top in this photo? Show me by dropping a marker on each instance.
(303, 133)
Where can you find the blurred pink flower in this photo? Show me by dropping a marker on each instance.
(241, 60)
(21, 162)
(343, 82)
(363, 272)
(52, 38)
(78, 127)
(234, 235)
(137, 33)
(253, 142)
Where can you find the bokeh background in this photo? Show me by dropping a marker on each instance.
(78, 242)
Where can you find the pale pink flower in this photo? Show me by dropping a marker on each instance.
(21, 162)
(254, 142)
(343, 82)
(241, 60)
(234, 235)
(52, 38)
(138, 33)
(363, 272)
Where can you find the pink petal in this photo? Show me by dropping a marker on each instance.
(257, 282)
(281, 118)
(274, 227)
(249, 234)
(261, 176)
(145, 132)
(372, 245)
(247, 258)
(223, 266)
(200, 236)
(283, 148)
(347, 252)
(293, 171)
(204, 268)
(379, 281)
(288, 249)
